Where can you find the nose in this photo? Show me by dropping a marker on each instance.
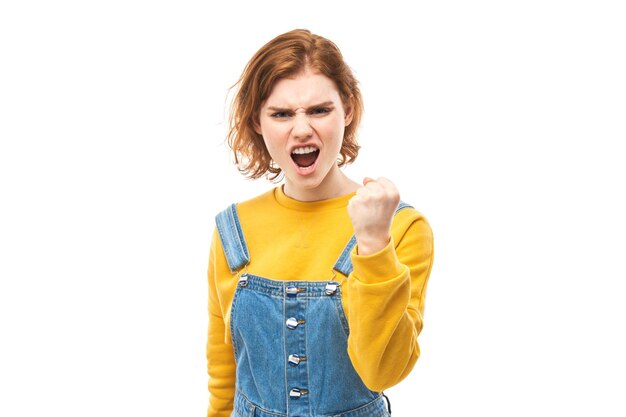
(302, 126)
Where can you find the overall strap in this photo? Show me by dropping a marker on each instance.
(232, 239)
(344, 263)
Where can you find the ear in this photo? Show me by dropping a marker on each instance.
(349, 110)
(256, 125)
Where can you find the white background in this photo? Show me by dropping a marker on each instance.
(501, 121)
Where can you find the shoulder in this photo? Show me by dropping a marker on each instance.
(407, 215)
(252, 205)
(410, 221)
(233, 223)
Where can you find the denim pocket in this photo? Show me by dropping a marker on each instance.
(233, 308)
(342, 315)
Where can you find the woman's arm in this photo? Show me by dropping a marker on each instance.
(386, 302)
(220, 356)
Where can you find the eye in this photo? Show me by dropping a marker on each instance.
(279, 115)
(321, 110)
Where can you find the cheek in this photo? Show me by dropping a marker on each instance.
(270, 136)
(335, 134)
(269, 144)
(331, 130)
(274, 132)
(273, 143)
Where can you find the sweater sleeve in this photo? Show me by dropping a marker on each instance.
(386, 303)
(220, 356)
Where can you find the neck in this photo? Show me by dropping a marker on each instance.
(335, 184)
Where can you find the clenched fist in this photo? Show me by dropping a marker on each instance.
(371, 211)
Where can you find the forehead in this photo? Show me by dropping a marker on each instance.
(303, 90)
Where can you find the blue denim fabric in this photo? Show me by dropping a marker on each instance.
(231, 236)
(263, 342)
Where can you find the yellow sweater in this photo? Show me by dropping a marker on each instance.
(292, 240)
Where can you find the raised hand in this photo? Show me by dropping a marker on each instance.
(371, 211)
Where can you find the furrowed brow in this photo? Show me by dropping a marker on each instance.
(324, 104)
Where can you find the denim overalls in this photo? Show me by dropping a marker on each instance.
(290, 341)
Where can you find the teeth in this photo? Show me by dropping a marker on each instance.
(306, 149)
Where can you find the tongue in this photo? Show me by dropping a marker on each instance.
(305, 159)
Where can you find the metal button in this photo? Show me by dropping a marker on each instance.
(294, 359)
(331, 288)
(292, 291)
(243, 280)
(292, 322)
(297, 393)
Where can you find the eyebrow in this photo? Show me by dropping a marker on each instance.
(324, 104)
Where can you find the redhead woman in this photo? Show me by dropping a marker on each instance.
(317, 286)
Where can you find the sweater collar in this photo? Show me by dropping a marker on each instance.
(323, 205)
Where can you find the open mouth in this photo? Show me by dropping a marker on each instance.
(305, 157)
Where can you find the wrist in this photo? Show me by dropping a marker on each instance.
(371, 245)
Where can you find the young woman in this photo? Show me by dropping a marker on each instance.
(316, 287)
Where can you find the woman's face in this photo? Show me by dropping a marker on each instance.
(302, 123)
